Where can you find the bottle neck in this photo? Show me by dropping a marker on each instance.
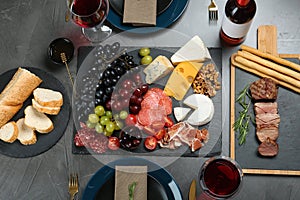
(242, 2)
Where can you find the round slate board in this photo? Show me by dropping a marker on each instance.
(60, 121)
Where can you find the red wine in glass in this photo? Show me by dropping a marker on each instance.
(220, 177)
(90, 15)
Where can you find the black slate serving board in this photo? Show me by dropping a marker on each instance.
(287, 161)
(216, 54)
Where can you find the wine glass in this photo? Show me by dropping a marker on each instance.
(90, 15)
(220, 178)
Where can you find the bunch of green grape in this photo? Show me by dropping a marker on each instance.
(104, 122)
(146, 58)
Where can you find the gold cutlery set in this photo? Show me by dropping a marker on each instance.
(73, 185)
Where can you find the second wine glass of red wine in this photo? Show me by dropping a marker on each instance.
(220, 178)
(90, 15)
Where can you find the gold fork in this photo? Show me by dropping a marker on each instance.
(213, 11)
(73, 185)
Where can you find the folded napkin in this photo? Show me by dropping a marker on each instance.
(127, 175)
(140, 12)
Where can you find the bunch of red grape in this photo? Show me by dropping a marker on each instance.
(110, 77)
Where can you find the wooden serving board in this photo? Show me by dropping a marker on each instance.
(286, 162)
(267, 41)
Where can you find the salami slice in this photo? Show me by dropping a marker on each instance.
(152, 94)
(155, 107)
(166, 103)
(144, 117)
(92, 140)
(157, 115)
(149, 103)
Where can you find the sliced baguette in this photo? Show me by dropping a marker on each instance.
(26, 134)
(37, 120)
(9, 132)
(48, 97)
(45, 109)
(18, 89)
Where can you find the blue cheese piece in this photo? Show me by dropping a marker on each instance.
(157, 69)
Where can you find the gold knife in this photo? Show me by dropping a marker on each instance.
(192, 192)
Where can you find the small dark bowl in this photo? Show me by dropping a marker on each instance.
(58, 46)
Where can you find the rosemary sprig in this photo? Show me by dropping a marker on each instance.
(241, 125)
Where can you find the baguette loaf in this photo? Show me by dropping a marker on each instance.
(16, 92)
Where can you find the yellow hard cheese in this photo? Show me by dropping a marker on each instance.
(181, 79)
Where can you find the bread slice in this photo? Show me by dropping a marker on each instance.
(9, 132)
(45, 109)
(26, 134)
(48, 97)
(37, 120)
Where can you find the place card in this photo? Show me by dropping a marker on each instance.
(127, 175)
(140, 12)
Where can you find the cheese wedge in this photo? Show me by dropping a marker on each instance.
(193, 51)
(180, 113)
(157, 69)
(181, 79)
(204, 109)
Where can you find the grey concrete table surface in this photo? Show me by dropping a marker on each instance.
(26, 29)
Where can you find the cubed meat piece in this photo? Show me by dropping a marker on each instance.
(264, 120)
(264, 89)
(269, 132)
(268, 148)
(265, 107)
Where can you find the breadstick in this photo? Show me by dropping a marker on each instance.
(271, 57)
(269, 64)
(268, 71)
(283, 55)
(258, 73)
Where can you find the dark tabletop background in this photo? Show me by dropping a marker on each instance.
(26, 29)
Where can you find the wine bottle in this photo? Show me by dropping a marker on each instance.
(237, 20)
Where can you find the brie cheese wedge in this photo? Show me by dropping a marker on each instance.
(180, 113)
(204, 109)
(193, 51)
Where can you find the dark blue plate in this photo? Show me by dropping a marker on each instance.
(161, 184)
(163, 20)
